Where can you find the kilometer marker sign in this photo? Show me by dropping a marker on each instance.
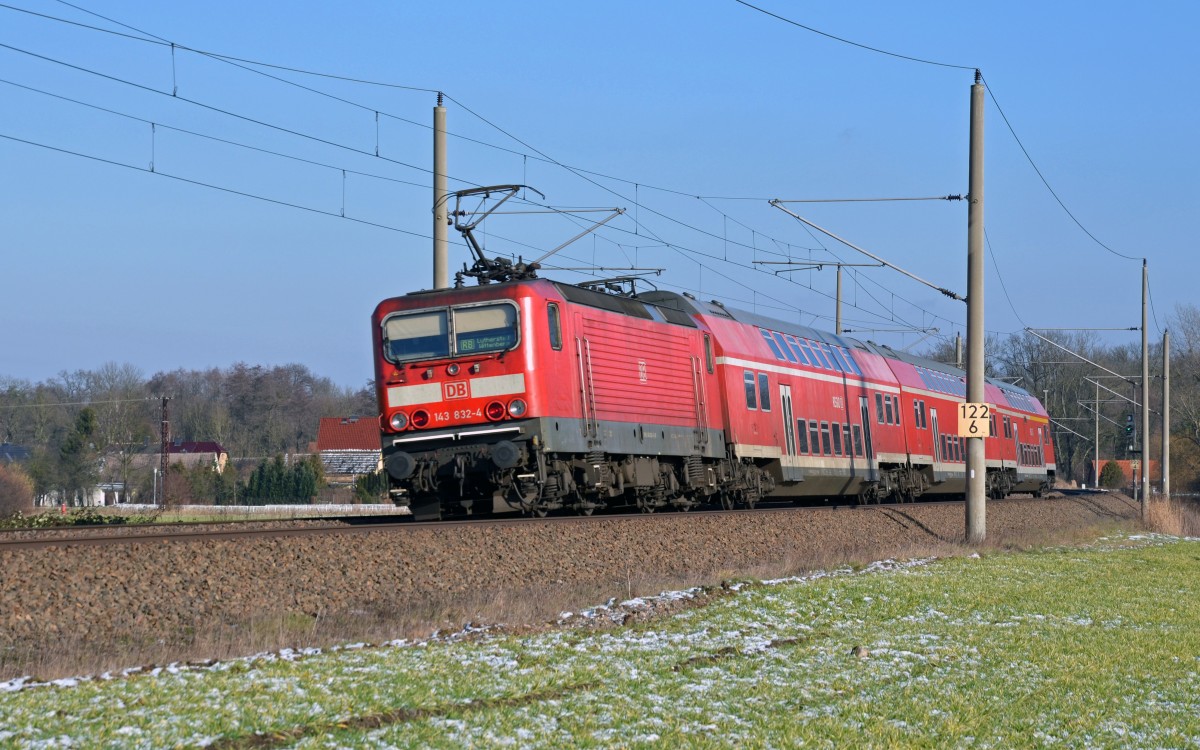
(974, 420)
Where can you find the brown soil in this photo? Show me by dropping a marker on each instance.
(68, 610)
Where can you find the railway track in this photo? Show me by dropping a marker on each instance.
(163, 533)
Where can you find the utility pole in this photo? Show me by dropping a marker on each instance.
(958, 350)
(1096, 467)
(1166, 417)
(976, 464)
(165, 436)
(441, 227)
(837, 322)
(1145, 453)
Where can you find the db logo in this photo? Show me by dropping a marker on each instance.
(457, 389)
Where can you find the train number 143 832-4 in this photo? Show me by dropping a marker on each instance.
(457, 414)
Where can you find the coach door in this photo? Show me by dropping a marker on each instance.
(791, 472)
(937, 437)
(864, 408)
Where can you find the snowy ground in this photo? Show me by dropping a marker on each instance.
(1094, 647)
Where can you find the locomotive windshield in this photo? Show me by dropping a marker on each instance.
(450, 332)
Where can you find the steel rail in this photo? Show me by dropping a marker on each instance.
(222, 535)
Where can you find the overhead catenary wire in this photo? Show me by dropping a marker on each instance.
(217, 139)
(242, 193)
(578, 171)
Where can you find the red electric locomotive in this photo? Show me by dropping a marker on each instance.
(531, 395)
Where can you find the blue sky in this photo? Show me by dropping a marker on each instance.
(710, 99)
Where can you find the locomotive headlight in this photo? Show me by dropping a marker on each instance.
(517, 407)
(399, 421)
(452, 369)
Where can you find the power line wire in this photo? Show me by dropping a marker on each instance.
(1042, 177)
(1003, 286)
(851, 43)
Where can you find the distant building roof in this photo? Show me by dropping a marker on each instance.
(10, 453)
(195, 447)
(348, 434)
(343, 463)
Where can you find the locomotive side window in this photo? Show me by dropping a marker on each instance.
(487, 328)
(764, 392)
(802, 433)
(751, 391)
(423, 335)
(556, 328)
(708, 357)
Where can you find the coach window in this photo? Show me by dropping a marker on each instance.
(858, 443)
(891, 416)
(783, 347)
(837, 439)
(751, 397)
(764, 392)
(826, 448)
(708, 357)
(846, 439)
(814, 436)
(771, 343)
(992, 424)
(556, 326)
(795, 347)
(802, 433)
(879, 407)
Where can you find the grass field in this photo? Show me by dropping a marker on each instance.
(1096, 646)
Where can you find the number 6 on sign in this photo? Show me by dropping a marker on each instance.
(974, 420)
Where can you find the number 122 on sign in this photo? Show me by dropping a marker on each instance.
(974, 420)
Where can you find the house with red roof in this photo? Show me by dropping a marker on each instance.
(349, 447)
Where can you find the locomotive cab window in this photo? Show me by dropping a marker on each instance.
(487, 328)
(555, 325)
(450, 332)
(423, 335)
